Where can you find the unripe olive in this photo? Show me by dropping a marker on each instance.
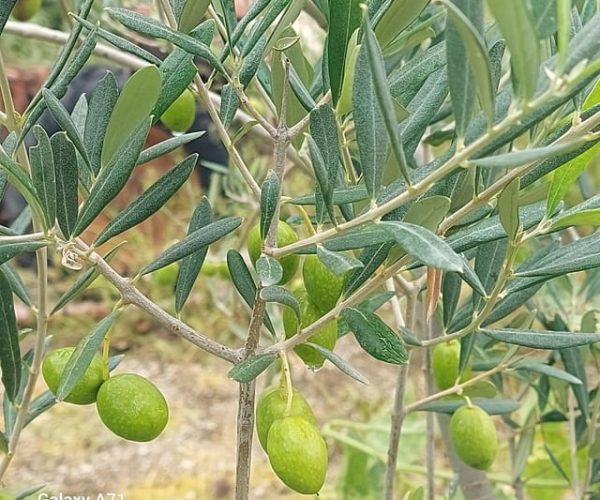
(445, 362)
(474, 437)
(323, 286)
(180, 115)
(271, 406)
(325, 336)
(86, 390)
(298, 454)
(26, 9)
(285, 236)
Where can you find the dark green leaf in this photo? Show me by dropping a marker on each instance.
(10, 352)
(61, 115)
(195, 241)
(190, 266)
(7, 7)
(337, 262)
(269, 196)
(424, 245)
(151, 200)
(82, 356)
(155, 29)
(518, 158)
(384, 97)
(166, 147)
(477, 56)
(543, 339)
(16, 283)
(550, 371)
(344, 19)
(371, 133)
(65, 165)
(42, 174)
(101, 104)
(230, 103)
(176, 72)
(574, 364)
(113, 177)
(375, 337)
(341, 196)
(281, 296)
(460, 75)
(248, 370)
(10, 250)
(261, 27)
(451, 287)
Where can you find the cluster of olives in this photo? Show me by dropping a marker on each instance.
(320, 293)
(289, 435)
(472, 430)
(128, 404)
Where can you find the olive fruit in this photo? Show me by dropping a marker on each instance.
(298, 454)
(86, 390)
(132, 407)
(326, 336)
(285, 236)
(445, 362)
(180, 115)
(323, 286)
(271, 406)
(474, 437)
(26, 9)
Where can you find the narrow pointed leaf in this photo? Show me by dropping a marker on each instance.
(516, 25)
(248, 370)
(135, 103)
(339, 263)
(518, 158)
(151, 200)
(10, 250)
(42, 174)
(508, 208)
(62, 117)
(190, 266)
(269, 196)
(82, 356)
(394, 16)
(461, 79)
(375, 337)
(589, 217)
(340, 363)
(542, 339)
(550, 371)
(281, 296)
(156, 29)
(344, 19)
(371, 133)
(10, 352)
(384, 97)
(16, 283)
(424, 246)
(113, 177)
(101, 104)
(176, 72)
(66, 172)
(478, 58)
(195, 241)
(168, 146)
(191, 14)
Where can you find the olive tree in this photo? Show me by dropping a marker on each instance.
(442, 138)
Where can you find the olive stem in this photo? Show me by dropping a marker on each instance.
(41, 255)
(573, 448)
(398, 412)
(429, 420)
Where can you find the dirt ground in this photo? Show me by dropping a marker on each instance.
(70, 451)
